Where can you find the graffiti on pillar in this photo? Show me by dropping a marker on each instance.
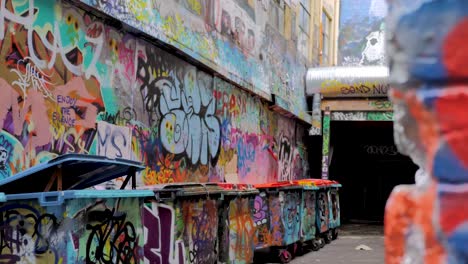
(161, 245)
(325, 145)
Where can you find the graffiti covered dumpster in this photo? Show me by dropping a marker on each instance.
(70, 225)
(188, 216)
(277, 218)
(328, 209)
(308, 212)
(236, 226)
(334, 207)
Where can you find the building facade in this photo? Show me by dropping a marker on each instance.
(197, 90)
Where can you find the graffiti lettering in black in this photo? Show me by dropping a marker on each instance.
(112, 239)
(26, 233)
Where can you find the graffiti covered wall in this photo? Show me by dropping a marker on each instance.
(240, 39)
(361, 34)
(72, 84)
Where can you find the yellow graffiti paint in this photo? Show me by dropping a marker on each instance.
(195, 6)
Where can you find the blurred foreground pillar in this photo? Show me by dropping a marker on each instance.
(426, 42)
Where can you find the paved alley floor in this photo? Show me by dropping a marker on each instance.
(343, 250)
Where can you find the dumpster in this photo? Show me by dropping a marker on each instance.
(277, 218)
(188, 216)
(308, 212)
(236, 228)
(334, 207)
(78, 226)
(71, 225)
(328, 210)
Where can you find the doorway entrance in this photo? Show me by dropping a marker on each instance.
(366, 162)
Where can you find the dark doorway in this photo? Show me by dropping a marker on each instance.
(366, 162)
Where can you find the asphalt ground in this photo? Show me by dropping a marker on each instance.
(367, 238)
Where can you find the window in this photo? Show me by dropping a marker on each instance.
(326, 26)
(277, 15)
(304, 26)
(304, 16)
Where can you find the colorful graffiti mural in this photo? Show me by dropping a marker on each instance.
(236, 38)
(361, 34)
(73, 84)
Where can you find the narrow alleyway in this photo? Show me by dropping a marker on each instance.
(343, 250)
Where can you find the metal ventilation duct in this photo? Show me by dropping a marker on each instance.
(358, 81)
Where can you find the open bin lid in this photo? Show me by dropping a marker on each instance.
(238, 188)
(72, 172)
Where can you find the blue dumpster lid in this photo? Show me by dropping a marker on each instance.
(77, 171)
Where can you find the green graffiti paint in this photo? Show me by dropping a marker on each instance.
(325, 145)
